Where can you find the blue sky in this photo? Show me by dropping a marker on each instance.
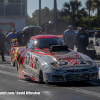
(32, 5)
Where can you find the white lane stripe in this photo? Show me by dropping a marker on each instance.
(85, 92)
(7, 56)
(23, 81)
(8, 73)
(6, 66)
(73, 89)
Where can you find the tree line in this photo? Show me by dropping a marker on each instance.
(72, 13)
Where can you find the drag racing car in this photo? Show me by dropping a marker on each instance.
(46, 58)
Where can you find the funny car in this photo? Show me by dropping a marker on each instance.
(46, 58)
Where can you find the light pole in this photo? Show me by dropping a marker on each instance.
(39, 12)
(98, 12)
(89, 13)
(45, 28)
(55, 14)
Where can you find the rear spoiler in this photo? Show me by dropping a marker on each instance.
(55, 48)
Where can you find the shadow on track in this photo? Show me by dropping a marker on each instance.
(94, 83)
(78, 84)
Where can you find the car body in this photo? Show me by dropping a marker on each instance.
(45, 58)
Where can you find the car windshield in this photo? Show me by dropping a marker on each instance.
(47, 42)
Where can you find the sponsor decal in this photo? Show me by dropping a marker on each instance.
(59, 63)
(70, 62)
(30, 71)
(73, 62)
(31, 61)
(36, 63)
(12, 52)
(54, 64)
(27, 60)
(62, 63)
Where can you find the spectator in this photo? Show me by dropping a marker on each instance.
(6, 43)
(96, 42)
(6, 33)
(96, 35)
(12, 35)
(2, 44)
(77, 30)
(91, 46)
(68, 37)
(81, 41)
(87, 33)
(91, 50)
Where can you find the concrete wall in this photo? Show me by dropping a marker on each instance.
(20, 22)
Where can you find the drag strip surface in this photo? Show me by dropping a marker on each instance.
(54, 91)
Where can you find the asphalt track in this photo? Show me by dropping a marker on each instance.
(14, 88)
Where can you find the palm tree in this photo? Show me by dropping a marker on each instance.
(95, 5)
(73, 10)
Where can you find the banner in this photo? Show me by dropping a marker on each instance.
(7, 26)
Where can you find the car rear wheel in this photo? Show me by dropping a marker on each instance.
(40, 76)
